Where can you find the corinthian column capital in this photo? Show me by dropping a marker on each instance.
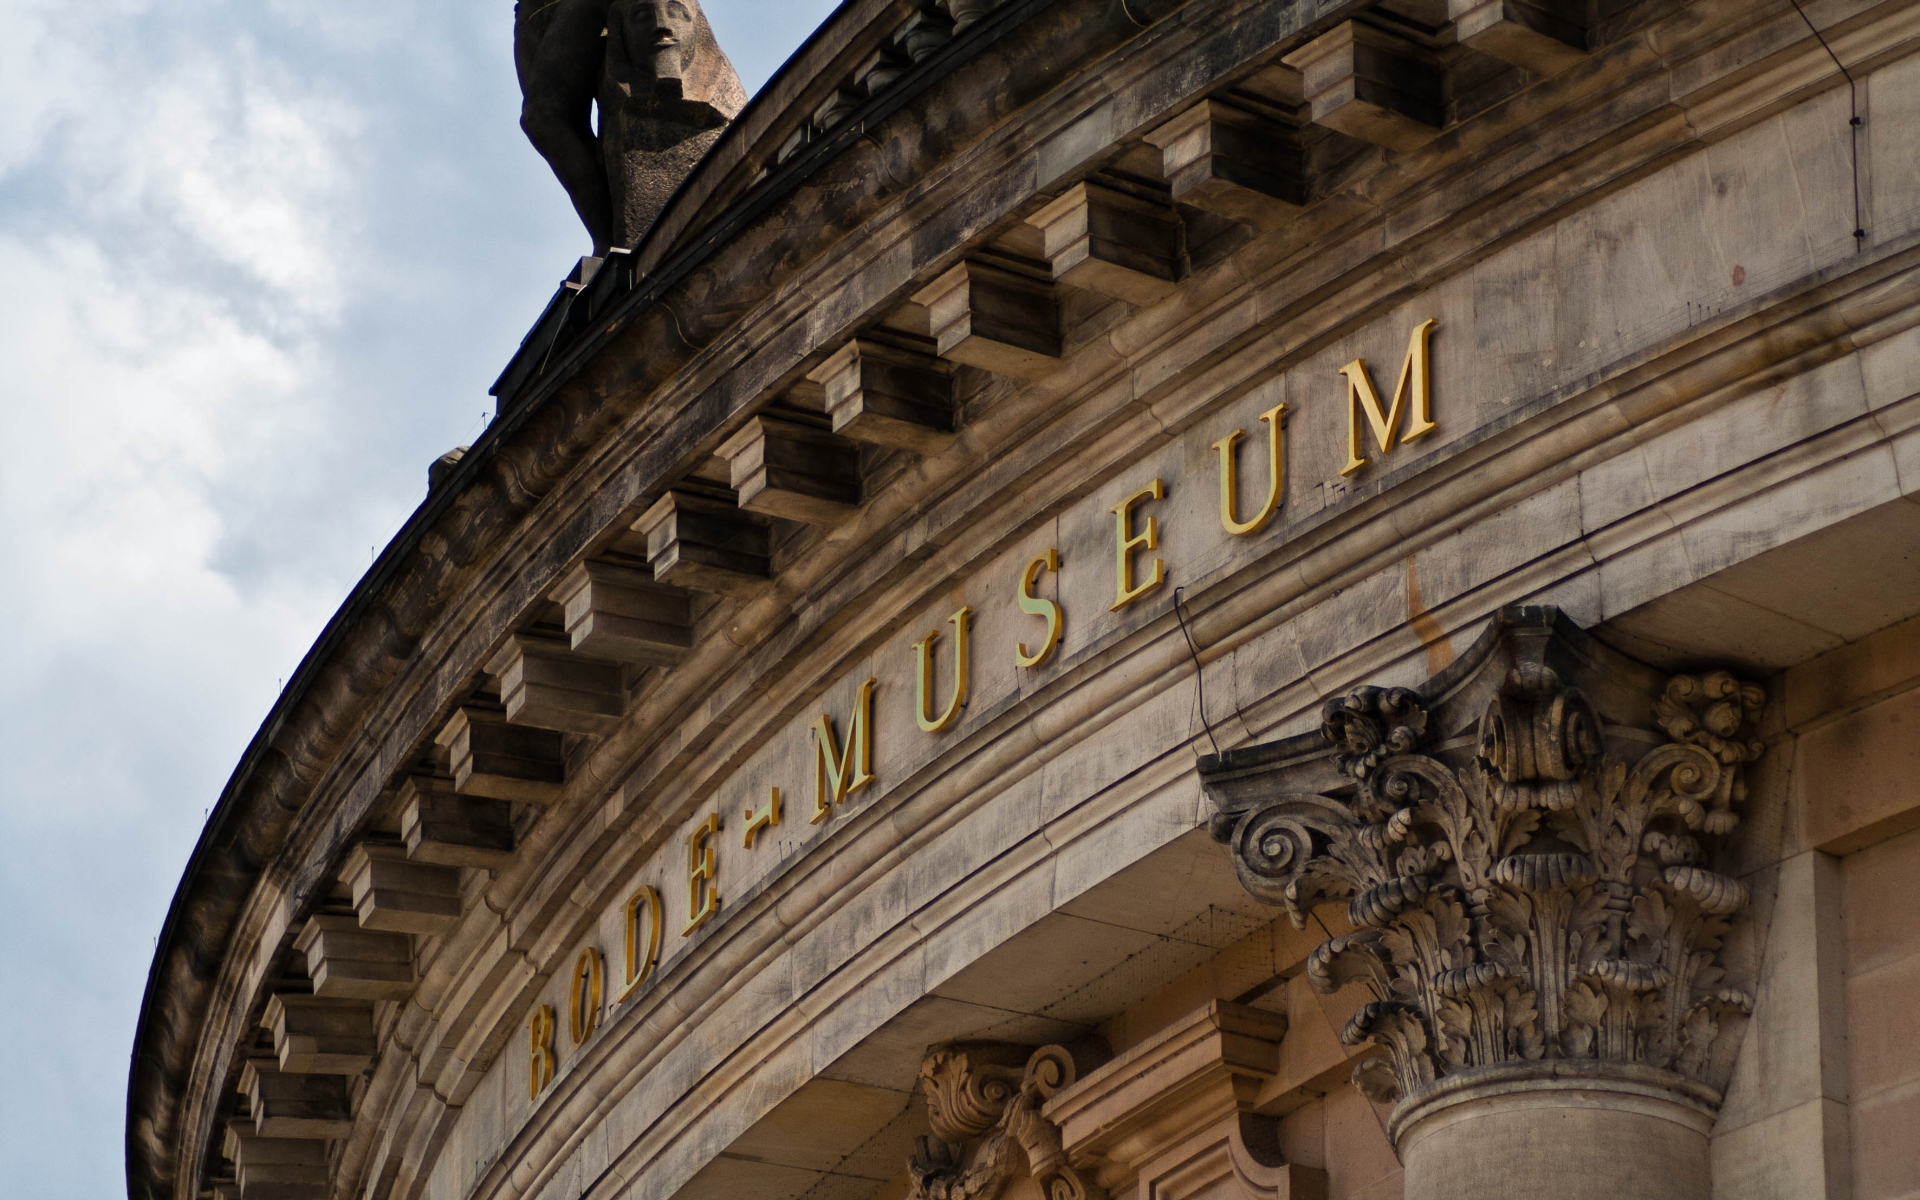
(1525, 845)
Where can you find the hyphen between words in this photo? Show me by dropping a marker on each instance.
(843, 769)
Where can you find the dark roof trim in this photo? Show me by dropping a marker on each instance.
(517, 407)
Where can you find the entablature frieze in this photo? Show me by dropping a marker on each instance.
(639, 701)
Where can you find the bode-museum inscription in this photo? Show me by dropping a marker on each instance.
(684, 888)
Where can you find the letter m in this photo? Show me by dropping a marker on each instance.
(1416, 376)
(839, 773)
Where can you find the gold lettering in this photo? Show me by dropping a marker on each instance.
(583, 1002)
(642, 951)
(703, 895)
(839, 773)
(767, 817)
(540, 1066)
(1125, 592)
(1276, 419)
(923, 675)
(1416, 375)
(1040, 607)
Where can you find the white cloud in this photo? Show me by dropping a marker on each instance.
(176, 225)
(251, 170)
(132, 402)
(258, 263)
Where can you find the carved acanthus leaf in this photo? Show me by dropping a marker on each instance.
(983, 1102)
(1373, 725)
(1539, 900)
(1709, 711)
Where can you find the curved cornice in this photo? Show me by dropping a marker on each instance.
(384, 617)
(658, 383)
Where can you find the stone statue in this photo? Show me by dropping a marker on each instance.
(664, 90)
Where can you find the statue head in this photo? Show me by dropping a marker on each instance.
(667, 92)
(661, 39)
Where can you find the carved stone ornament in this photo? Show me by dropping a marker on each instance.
(1524, 847)
(983, 1102)
(663, 88)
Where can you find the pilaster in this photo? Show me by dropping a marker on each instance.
(1783, 1131)
(1175, 1118)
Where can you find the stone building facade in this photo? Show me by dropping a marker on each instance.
(1180, 599)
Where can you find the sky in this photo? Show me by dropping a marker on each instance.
(259, 262)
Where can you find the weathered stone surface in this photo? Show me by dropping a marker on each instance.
(270, 1168)
(1555, 1129)
(784, 468)
(444, 828)
(620, 613)
(287, 1105)
(1538, 37)
(1882, 949)
(874, 392)
(544, 684)
(985, 1104)
(1372, 85)
(663, 87)
(348, 962)
(491, 758)
(393, 893)
(1175, 1112)
(314, 1035)
(1238, 164)
(1540, 923)
(1648, 303)
(704, 545)
(1786, 1101)
(1850, 799)
(994, 319)
(667, 91)
(1115, 243)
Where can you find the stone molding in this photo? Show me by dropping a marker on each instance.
(309, 747)
(1174, 1118)
(1566, 1081)
(1524, 846)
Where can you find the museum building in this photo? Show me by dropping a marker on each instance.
(1126, 600)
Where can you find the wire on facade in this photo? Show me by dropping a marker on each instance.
(1853, 119)
(1199, 675)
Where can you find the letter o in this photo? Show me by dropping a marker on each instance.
(583, 1002)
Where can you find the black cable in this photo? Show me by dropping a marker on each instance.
(559, 330)
(1199, 675)
(1853, 120)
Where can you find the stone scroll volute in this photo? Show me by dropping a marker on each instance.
(983, 1104)
(1529, 881)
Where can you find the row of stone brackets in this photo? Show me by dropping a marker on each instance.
(546, 363)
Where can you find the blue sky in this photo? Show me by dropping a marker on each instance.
(259, 261)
